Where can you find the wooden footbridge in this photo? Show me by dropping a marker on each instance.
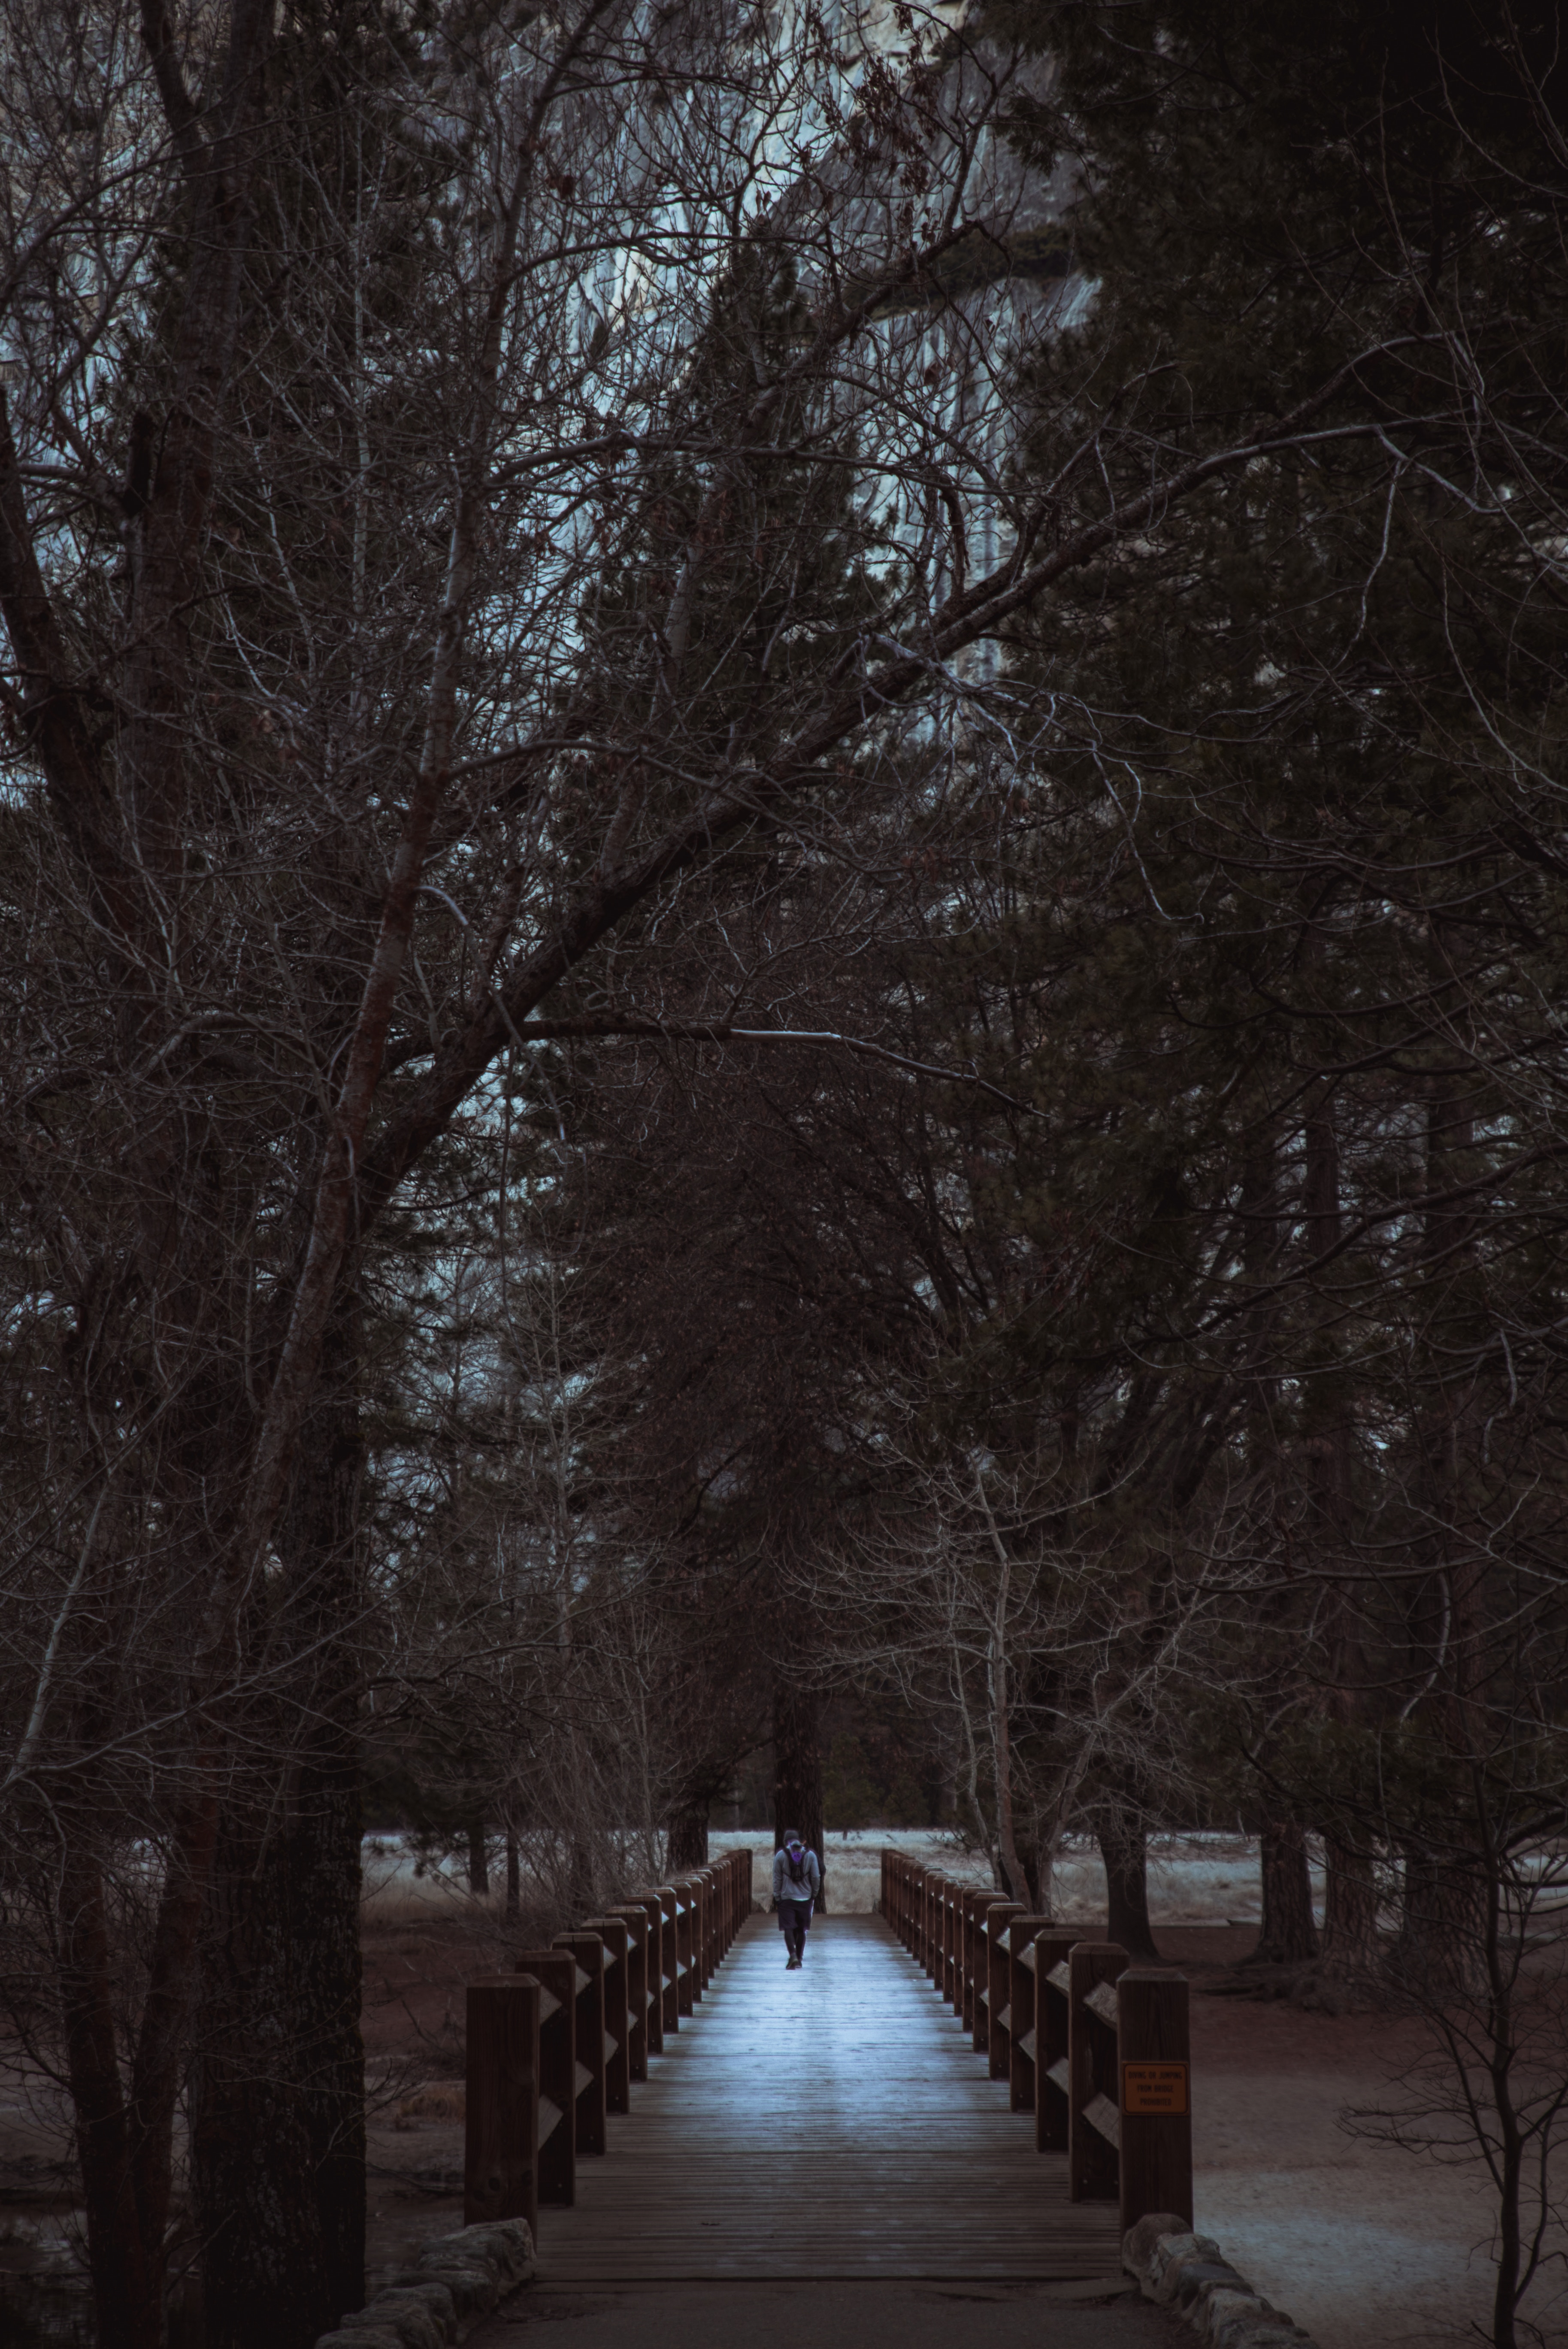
(663, 2101)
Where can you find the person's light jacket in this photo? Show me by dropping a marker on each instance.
(788, 1888)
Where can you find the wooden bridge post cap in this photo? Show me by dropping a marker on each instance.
(583, 1945)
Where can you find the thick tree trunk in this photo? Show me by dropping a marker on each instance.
(1288, 1935)
(252, 2158)
(277, 2149)
(1439, 1954)
(798, 1773)
(1350, 1943)
(1124, 1848)
(127, 2273)
(686, 1837)
(125, 2127)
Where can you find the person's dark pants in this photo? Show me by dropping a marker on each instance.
(794, 1915)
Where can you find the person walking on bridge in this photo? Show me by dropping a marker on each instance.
(797, 1882)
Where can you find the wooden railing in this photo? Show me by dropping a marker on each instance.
(555, 2047)
(1097, 2048)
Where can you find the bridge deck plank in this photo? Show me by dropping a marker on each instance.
(830, 2123)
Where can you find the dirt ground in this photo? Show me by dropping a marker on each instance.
(1366, 2247)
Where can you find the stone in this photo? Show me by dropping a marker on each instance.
(505, 2242)
(414, 2324)
(360, 2336)
(1223, 2309)
(1184, 2282)
(1171, 2253)
(432, 2296)
(1189, 2273)
(474, 2289)
(1138, 2243)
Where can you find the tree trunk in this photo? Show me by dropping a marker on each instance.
(1439, 1954)
(1288, 1935)
(1124, 1848)
(1350, 1944)
(478, 1860)
(686, 1837)
(277, 2147)
(798, 1773)
(513, 1878)
(127, 2273)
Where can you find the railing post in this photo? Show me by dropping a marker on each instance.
(616, 1934)
(653, 1909)
(556, 2133)
(997, 2010)
(501, 2131)
(975, 1903)
(952, 1946)
(670, 1942)
(711, 1952)
(1023, 2004)
(686, 1942)
(702, 1887)
(588, 1951)
(1094, 2127)
(696, 1893)
(980, 1968)
(1154, 2064)
(639, 1934)
(1054, 1946)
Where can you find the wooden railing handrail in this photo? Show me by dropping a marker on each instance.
(1098, 2049)
(556, 2046)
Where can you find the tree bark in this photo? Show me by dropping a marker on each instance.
(1124, 1848)
(1350, 1943)
(478, 1859)
(277, 2152)
(686, 1837)
(1288, 1935)
(798, 1773)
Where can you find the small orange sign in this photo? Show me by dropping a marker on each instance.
(1154, 2088)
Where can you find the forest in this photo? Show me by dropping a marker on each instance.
(783, 893)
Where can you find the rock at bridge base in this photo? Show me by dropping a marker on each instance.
(1189, 2274)
(459, 2279)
